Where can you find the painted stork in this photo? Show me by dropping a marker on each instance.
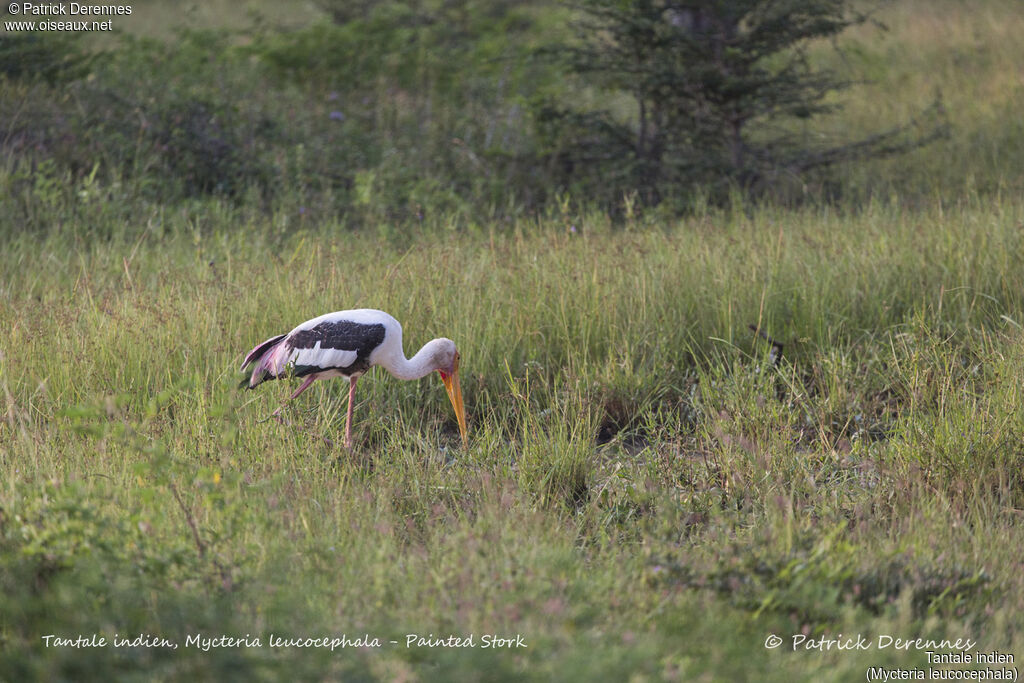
(347, 344)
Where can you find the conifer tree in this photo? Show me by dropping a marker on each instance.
(716, 86)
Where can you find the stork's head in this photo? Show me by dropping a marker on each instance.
(448, 366)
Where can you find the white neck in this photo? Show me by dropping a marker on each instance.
(420, 365)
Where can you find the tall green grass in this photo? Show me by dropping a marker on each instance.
(644, 492)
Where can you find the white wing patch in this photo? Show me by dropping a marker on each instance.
(322, 358)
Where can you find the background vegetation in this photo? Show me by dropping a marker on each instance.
(646, 492)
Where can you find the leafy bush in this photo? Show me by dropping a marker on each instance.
(53, 57)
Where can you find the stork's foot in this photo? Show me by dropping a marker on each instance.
(348, 437)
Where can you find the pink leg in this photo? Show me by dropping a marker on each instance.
(348, 418)
(303, 387)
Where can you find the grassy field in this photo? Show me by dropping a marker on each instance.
(646, 494)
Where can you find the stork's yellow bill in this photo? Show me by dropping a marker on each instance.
(454, 389)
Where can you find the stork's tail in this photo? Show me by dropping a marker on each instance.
(265, 360)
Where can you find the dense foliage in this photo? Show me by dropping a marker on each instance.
(392, 110)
